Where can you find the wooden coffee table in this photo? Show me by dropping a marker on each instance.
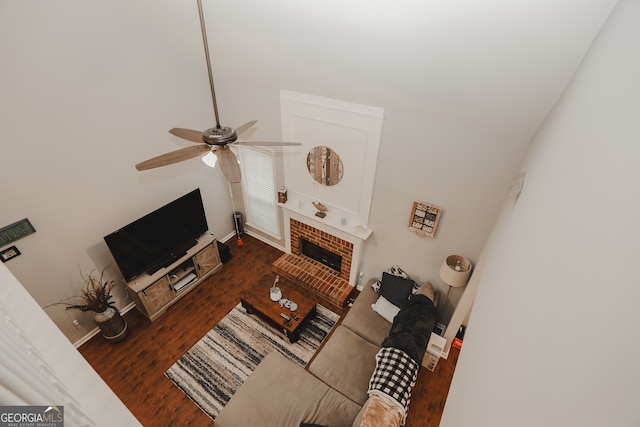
(256, 300)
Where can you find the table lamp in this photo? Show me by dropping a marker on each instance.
(455, 271)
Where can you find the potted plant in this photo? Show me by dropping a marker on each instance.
(96, 297)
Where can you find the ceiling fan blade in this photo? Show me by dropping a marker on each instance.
(228, 163)
(245, 127)
(266, 143)
(188, 134)
(173, 157)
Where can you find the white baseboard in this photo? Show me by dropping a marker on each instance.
(226, 239)
(262, 239)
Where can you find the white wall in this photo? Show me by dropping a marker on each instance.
(40, 367)
(89, 90)
(551, 339)
(466, 171)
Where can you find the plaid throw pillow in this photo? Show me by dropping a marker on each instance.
(394, 377)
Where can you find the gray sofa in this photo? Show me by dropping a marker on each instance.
(332, 389)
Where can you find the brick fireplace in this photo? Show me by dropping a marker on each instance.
(300, 230)
(335, 233)
(331, 285)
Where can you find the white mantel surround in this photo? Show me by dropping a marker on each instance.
(341, 221)
(352, 233)
(353, 132)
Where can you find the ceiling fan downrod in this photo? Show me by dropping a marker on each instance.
(208, 59)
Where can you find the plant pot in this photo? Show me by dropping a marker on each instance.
(111, 324)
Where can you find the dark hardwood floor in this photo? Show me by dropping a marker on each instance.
(134, 368)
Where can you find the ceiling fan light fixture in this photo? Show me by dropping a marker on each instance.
(210, 159)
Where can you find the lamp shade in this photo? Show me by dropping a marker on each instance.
(455, 271)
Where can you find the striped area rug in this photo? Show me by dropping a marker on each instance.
(217, 365)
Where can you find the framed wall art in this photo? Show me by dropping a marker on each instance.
(9, 253)
(424, 219)
(15, 231)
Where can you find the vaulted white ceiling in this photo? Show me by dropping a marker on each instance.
(493, 63)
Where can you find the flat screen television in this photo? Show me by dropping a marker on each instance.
(160, 237)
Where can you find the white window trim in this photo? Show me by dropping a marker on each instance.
(270, 198)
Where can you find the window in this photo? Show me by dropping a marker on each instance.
(259, 189)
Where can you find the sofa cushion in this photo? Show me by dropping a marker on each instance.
(395, 270)
(397, 290)
(281, 393)
(362, 320)
(346, 363)
(385, 309)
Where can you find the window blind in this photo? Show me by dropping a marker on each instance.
(258, 189)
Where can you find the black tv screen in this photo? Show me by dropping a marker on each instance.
(160, 237)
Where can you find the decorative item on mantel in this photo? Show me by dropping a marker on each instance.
(96, 297)
(282, 195)
(322, 209)
(424, 219)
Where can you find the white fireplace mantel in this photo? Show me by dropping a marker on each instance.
(338, 220)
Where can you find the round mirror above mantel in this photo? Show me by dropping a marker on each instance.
(324, 165)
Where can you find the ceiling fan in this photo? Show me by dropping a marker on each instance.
(215, 141)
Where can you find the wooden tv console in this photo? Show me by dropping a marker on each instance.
(154, 293)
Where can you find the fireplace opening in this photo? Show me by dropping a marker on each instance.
(321, 255)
